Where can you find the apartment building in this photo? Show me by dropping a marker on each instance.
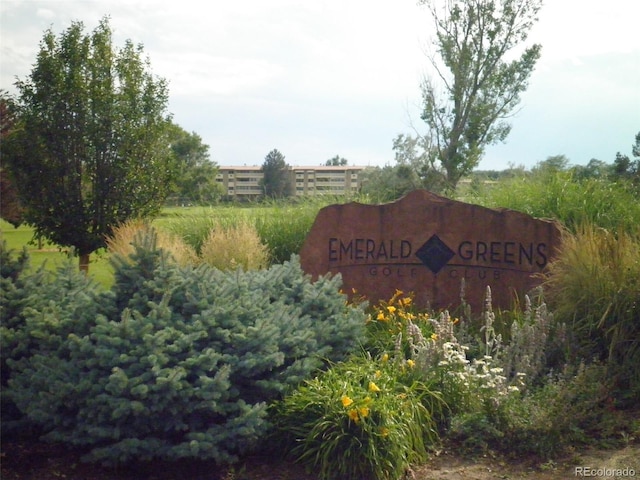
(245, 183)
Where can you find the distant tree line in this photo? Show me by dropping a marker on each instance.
(383, 184)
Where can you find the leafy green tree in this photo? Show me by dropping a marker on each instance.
(594, 169)
(93, 147)
(627, 168)
(388, 183)
(10, 208)
(552, 165)
(276, 175)
(336, 161)
(414, 153)
(476, 86)
(196, 177)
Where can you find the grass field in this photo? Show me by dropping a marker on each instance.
(280, 225)
(52, 256)
(283, 226)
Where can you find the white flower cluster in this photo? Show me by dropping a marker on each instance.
(443, 357)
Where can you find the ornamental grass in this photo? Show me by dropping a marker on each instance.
(594, 286)
(122, 239)
(233, 246)
(360, 419)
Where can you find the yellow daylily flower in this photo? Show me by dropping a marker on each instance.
(346, 401)
(353, 415)
(373, 387)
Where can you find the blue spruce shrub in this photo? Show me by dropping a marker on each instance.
(183, 362)
(38, 310)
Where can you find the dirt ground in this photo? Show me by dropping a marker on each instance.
(450, 467)
(40, 461)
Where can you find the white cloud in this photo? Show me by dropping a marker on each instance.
(330, 77)
(571, 29)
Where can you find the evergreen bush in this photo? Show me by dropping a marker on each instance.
(181, 362)
(38, 310)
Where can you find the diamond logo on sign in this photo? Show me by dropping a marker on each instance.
(435, 254)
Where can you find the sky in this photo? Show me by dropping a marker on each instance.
(316, 79)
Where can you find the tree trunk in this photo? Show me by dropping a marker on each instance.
(84, 262)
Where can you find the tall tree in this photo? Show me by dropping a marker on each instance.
(594, 169)
(475, 87)
(388, 183)
(626, 168)
(93, 150)
(414, 153)
(276, 181)
(10, 208)
(552, 165)
(336, 161)
(196, 173)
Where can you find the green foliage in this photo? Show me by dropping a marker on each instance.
(535, 344)
(594, 286)
(498, 391)
(476, 87)
(91, 148)
(38, 310)
(428, 345)
(626, 168)
(388, 323)
(121, 242)
(411, 171)
(236, 246)
(10, 208)
(572, 410)
(276, 175)
(360, 419)
(11, 268)
(196, 174)
(560, 195)
(282, 227)
(177, 362)
(337, 161)
(389, 183)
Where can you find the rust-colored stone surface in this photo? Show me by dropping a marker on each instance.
(426, 244)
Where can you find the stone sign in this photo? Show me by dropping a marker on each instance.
(426, 244)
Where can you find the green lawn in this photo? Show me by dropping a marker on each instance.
(51, 255)
(181, 220)
(282, 225)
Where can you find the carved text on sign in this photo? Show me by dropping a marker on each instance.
(427, 244)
